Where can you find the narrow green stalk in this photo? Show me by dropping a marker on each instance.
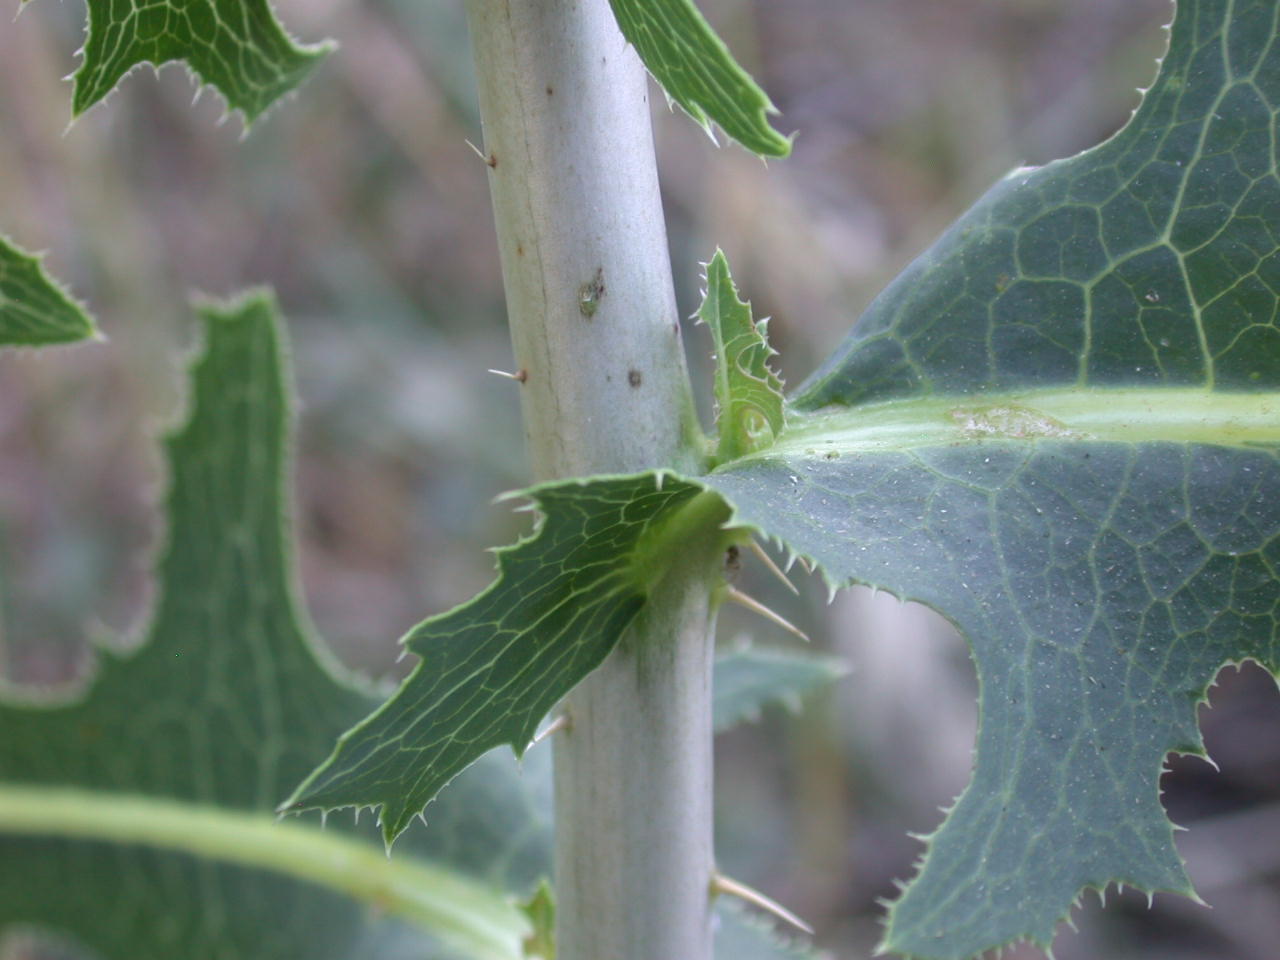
(1112, 415)
(604, 389)
(464, 914)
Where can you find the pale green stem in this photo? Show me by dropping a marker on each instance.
(1115, 415)
(461, 913)
(605, 390)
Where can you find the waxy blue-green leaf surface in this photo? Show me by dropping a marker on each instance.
(1061, 428)
(746, 681)
(219, 712)
(1150, 260)
(493, 667)
(743, 935)
(34, 309)
(698, 72)
(236, 46)
(1100, 587)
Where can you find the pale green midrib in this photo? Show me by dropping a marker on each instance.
(460, 912)
(1120, 415)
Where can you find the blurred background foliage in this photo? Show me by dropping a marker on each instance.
(360, 201)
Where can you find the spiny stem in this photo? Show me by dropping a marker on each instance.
(772, 567)
(720, 884)
(755, 606)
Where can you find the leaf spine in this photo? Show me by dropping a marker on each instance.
(720, 884)
(772, 567)
(755, 606)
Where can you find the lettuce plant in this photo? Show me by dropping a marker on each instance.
(1059, 427)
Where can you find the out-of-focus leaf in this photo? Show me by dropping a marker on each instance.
(748, 680)
(137, 817)
(742, 935)
(698, 72)
(236, 46)
(34, 309)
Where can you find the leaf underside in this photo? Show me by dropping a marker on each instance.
(698, 72)
(34, 309)
(1101, 587)
(225, 704)
(748, 680)
(1100, 584)
(492, 668)
(236, 46)
(741, 935)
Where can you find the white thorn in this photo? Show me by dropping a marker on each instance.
(771, 566)
(755, 606)
(489, 161)
(520, 376)
(561, 722)
(722, 884)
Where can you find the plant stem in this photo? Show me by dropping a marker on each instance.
(596, 333)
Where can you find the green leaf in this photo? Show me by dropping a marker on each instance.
(749, 402)
(748, 680)
(743, 935)
(34, 309)
(236, 46)
(1100, 586)
(494, 820)
(697, 71)
(1150, 260)
(541, 911)
(494, 823)
(493, 667)
(1061, 429)
(137, 816)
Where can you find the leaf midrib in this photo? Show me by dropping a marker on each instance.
(1107, 415)
(461, 912)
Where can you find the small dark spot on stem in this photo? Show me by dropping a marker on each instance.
(550, 90)
(591, 293)
(732, 562)
(492, 161)
(634, 378)
(519, 249)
